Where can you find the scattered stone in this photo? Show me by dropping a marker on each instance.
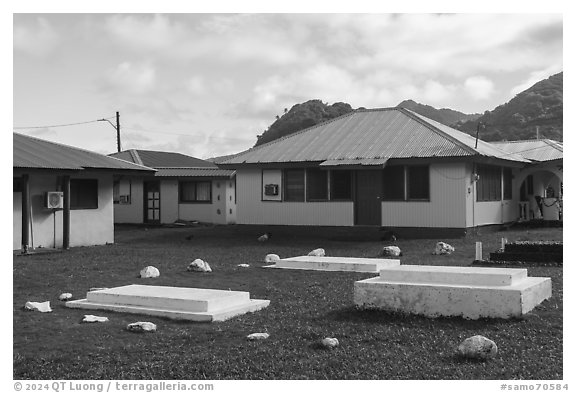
(265, 237)
(97, 289)
(38, 306)
(141, 327)
(443, 248)
(330, 342)
(94, 318)
(149, 272)
(478, 347)
(198, 265)
(391, 251)
(257, 336)
(65, 296)
(271, 258)
(319, 252)
(243, 265)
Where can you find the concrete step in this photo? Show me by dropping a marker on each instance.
(172, 298)
(369, 265)
(453, 275)
(193, 304)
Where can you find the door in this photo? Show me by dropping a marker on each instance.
(152, 202)
(368, 203)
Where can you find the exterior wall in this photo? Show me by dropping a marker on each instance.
(446, 208)
(252, 210)
(133, 212)
(87, 226)
(169, 201)
(17, 221)
(231, 201)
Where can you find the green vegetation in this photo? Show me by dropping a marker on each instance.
(306, 306)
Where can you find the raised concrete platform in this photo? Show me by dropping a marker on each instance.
(193, 304)
(469, 292)
(334, 264)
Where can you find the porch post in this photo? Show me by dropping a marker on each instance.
(25, 213)
(66, 214)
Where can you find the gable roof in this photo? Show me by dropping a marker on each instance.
(534, 149)
(171, 164)
(31, 152)
(370, 137)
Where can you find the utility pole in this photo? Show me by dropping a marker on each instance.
(118, 131)
(117, 128)
(477, 133)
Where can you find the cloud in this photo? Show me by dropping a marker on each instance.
(535, 76)
(479, 87)
(130, 78)
(196, 85)
(37, 39)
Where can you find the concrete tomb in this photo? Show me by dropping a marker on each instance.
(193, 304)
(469, 292)
(367, 265)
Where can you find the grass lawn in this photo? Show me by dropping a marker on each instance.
(305, 307)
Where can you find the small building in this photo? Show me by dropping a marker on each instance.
(62, 195)
(184, 188)
(389, 168)
(540, 184)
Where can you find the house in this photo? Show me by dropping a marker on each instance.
(540, 184)
(388, 168)
(183, 188)
(62, 195)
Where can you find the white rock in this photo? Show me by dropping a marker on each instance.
(198, 265)
(65, 296)
(257, 336)
(139, 327)
(330, 342)
(443, 248)
(478, 347)
(271, 258)
(38, 306)
(149, 272)
(319, 252)
(391, 251)
(264, 237)
(243, 265)
(94, 318)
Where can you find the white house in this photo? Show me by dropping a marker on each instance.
(390, 168)
(62, 195)
(183, 188)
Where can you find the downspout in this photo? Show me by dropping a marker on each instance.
(66, 214)
(25, 213)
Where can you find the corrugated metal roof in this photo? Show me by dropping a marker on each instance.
(31, 152)
(194, 172)
(370, 134)
(534, 149)
(162, 159)
(362, 161)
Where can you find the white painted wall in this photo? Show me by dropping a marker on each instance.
(272, 176)
(17, 221)
(169, 201)
(87, 227)
(252, 210)
(132, 213)
(446, 208)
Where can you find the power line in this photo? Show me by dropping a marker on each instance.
(60, 125)
(189, 135)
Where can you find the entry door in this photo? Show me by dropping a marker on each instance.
(152, 202)
(368, 203)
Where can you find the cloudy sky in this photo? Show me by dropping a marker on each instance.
(207, 84)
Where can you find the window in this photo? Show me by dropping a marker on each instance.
(294, 185)
(393, 185)
(195, 192)
(489, 185)
(317, 185)
(418, 182)
(341, 185)
(507, 180)
(83, 194)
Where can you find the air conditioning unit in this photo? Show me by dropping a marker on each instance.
(271, 189)
(124, 199)
(54, 200)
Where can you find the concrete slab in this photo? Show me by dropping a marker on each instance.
(366, 265)
(463, 299)
(193, 304)
(458, 275)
